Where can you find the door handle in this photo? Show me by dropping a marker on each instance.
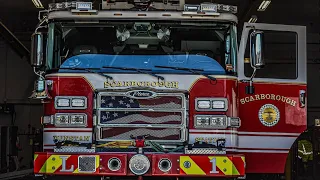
(302, 98)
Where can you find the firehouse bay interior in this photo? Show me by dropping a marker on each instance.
(151, 89)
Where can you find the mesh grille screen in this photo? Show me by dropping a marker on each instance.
(87, 163)
(162, 117)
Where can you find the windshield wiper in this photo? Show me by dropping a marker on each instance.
(144, 71)
(90, 70)
(194, 71)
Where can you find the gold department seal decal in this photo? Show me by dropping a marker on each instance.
(269, 115)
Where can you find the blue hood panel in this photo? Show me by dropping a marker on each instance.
(209, 65)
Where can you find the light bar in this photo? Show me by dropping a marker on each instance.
(37, 4)
(253, 19)
(84, 6)
(264, 5)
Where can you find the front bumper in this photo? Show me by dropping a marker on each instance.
(227, 165)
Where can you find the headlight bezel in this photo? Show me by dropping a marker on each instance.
(142, 171)
(225, 100)
(69, 124)
(71, 98)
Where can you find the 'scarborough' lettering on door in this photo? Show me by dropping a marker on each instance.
(274, 97)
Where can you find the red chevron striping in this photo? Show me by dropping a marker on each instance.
(39, 162)
(182, 172)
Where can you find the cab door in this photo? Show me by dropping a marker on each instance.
(274, 113)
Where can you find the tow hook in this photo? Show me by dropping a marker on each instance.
(139, 143)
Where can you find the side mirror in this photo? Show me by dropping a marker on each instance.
(256, 56)
(37, 50)
(257, 49)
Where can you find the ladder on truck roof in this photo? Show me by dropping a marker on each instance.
(177, 5)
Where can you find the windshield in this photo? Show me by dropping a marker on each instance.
(210, 46)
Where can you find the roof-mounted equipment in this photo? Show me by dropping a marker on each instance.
(208, 9)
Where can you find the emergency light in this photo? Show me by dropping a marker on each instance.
(209, 9)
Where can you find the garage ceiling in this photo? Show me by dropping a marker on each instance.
(20, 16)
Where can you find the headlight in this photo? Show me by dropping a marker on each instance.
(61, 119)
(234, 122)
(203, 104)
(203, 121)
(70, 102)
(77, 119)
(218, 104)
(62, 102)
(70, 120)
(211, 121)
(139, 164)
(77, 102)
(218, 121)
(211, 104)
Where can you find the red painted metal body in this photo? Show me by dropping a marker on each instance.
(261, 157)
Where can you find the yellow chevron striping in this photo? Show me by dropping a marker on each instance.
(35, 157)
(243, 159)
(43, 168)
(97, 161)
(76, 171)
(194, 168)
(53, 163)
(225, 165)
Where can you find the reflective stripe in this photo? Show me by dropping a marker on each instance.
(266, 142)
(270, 133)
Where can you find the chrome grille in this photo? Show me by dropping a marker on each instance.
(121, 101)
(162, 116)
(87, 164)
(140, 117)
(121, 133)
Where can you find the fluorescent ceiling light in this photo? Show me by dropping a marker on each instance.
(37, 3)
(263, 6)
(253, 19)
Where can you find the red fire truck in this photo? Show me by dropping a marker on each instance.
(158, 89)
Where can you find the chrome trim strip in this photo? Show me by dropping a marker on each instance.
(158, 94)
(141, 109)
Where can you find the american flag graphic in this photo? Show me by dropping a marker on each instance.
(140, 117)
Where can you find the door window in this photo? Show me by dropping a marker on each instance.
(280, 54)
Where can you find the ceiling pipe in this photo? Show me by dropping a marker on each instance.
(14, 42)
